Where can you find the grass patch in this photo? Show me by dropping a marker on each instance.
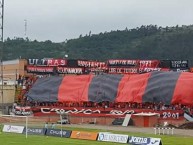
(19, 139)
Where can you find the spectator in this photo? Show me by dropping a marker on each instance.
(46, 125)
(53, 126)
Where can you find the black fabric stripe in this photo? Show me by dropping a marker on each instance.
(45, 89)
(160, 87)
(104, 88)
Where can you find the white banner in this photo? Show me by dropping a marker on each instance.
(112, 137)
(12, 128)
(133, 140)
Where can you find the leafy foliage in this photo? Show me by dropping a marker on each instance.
(145, 42)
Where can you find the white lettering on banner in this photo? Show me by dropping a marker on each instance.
(144, 63)
(56, 62)
(24, 113)
(47, 62)
(36, 61)
(12, 128)
(46, 110)
(182, 70)
(23, 108)
(66, 70)
(148, 63)
(130, 70)
(123, 62)
(119, 112)
(170, 115)
(179, 63)
(90, 63)
(34, 130)
(84, 111)
(155, 141)
(57, 132)
(101, 69)
(162, 114)
(113, 137)
(75, 111)
(138, 140)
(123, 70)
(142, 70)
(144, 141)
(112, 70)
(40, 69)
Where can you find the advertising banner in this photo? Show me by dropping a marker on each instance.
(109, 137)
(13, 128)
(84, 135)
(164, 64)
(35, 131)
(144, 141)
(58, 133)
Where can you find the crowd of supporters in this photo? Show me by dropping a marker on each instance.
(25, 83)
(121, 105)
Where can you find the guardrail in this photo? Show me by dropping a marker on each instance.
(164, 130)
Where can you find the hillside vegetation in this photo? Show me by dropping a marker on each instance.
(145, 42)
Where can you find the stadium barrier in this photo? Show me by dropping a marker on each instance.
(110, 137)
(58, 133)
(13, 128)
(35, 131)
(163, 130)
(84, 135)
(133, 140)
(101, 136)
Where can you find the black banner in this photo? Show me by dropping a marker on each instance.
(164, 64)
(69, 70)
(35, 131)
(118, 62)
(72, 63)
(90, 64)
(179, 64)
(58, 133)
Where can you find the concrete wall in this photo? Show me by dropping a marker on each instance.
(145, 121)
(13, 68)
(91, 120)
(8, 94)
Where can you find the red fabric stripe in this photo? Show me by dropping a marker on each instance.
(132, 87)
(74, 88)
(183, 93)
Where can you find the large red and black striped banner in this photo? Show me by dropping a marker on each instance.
(164, 87)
